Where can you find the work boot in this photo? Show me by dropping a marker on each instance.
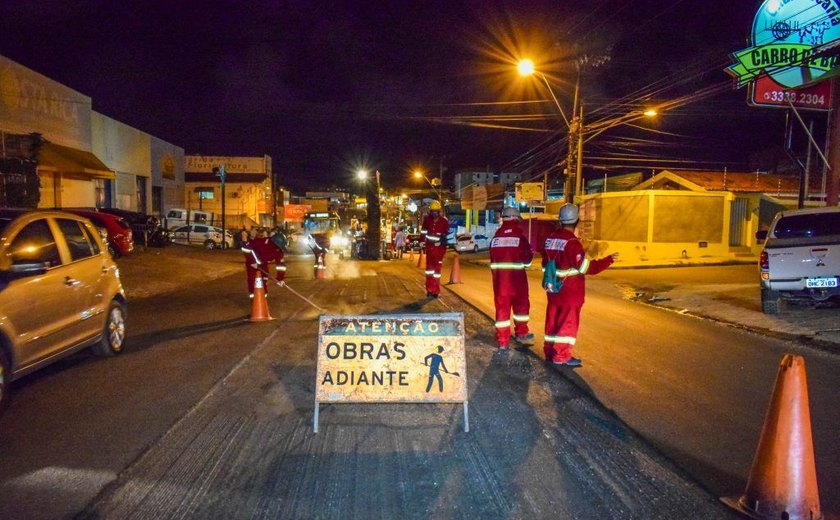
(571, 363)
(526, 340)
(501, 347)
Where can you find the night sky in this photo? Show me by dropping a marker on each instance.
(325, 87)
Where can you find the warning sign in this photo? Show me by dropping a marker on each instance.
(406, 358)
(529, 191)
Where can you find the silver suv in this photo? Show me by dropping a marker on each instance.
(60, 292)
(801, 257)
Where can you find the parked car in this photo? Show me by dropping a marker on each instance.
(120, 236)
(203, 235)
(471, 243)
(60, 292)
(146, 229)
(801, 257)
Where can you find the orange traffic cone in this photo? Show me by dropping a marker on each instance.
(783, 479)
(320, 270)
(259, 307)
(455, 274)
(421, 261)
(411, 254)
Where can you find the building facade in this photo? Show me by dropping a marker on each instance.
(83, 158)
(249, 200)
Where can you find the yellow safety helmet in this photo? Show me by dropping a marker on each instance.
(434, 206)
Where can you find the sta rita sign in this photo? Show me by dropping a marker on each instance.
(788, 37)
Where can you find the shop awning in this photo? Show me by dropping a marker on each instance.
(66, 160)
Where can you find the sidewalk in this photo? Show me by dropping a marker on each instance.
(538, 445)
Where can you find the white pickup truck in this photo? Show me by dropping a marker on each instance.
(801, 257)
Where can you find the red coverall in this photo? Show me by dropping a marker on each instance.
(435, 231)
(262, 251)
(562, 315)
(510, 256)
(319, 247)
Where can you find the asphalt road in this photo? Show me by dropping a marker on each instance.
(696, 389)
(81, 434)
(74, 426)
(206, 417)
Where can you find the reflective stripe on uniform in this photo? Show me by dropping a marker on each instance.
(561, 339)
(437, 275)
(501, 324)
(520, 317)
(429, 273)
(507, 265)
(565, 273)
(584, 266)
(281, 267)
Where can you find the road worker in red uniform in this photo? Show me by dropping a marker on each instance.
(510, 257)
(435, 228)
(259, 252)
(320, 245)
(562, 316)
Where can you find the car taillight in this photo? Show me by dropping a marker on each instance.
(764, 260)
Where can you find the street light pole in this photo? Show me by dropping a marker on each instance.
(573, 184)
(574, 160)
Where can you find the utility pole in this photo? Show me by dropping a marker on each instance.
(574, 156)
(832, 185)
(221, 173)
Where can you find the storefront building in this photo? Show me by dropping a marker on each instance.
(248, 190)
(31, 103)
(81, 158)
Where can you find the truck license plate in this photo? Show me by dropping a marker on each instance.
(819, 283)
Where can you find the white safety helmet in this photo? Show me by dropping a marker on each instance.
(510, 212)
(568, 213)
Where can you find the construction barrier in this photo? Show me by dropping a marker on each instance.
(259, 305)
(455, 274)
(783, 479)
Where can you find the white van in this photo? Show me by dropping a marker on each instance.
(178, 217)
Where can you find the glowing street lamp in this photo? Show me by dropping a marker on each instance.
(574, 158)
(418, 174)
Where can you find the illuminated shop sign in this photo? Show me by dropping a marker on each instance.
(793, 43)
